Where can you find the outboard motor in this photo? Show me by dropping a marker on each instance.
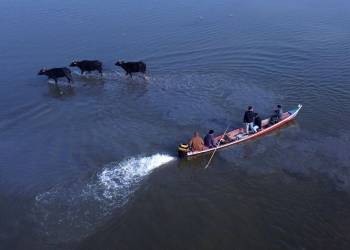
(182, 150)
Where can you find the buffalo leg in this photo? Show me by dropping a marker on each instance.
(128, 73)
(70, 79)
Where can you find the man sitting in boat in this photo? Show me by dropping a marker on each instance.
(196, 143)
(257, 122)
(209, 139)
(279, 112)
(277, 116)
(248, 119)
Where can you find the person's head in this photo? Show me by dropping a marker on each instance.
(279, 106)
(211, 132)
(196, 134)
(256, 114)
(250, 108)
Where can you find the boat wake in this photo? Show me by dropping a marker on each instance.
(72, 211)
(118, 179)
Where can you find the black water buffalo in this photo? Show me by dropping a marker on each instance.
(55, 73)
(87, 65)
(132, 67)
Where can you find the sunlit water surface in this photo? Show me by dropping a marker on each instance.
(95, 167)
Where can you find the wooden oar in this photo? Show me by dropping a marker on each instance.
(218, 144)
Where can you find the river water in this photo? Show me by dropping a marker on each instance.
(95, 167)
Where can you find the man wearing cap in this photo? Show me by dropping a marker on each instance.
(279, 112)
(277, 115)
(209, 140)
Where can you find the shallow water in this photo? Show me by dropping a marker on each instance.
(94, 166)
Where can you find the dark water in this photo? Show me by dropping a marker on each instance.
(96, 168)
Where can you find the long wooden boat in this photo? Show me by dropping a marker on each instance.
(239, 135)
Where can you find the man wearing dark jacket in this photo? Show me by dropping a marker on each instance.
(248, 119)
(277, 115)
(257, 122)
(279, 112)
(209, 140)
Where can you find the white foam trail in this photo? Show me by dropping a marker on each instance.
(118, 178)
(71, 212)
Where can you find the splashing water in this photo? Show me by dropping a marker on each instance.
(106, 75)
(118, 177)
(71, 212)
